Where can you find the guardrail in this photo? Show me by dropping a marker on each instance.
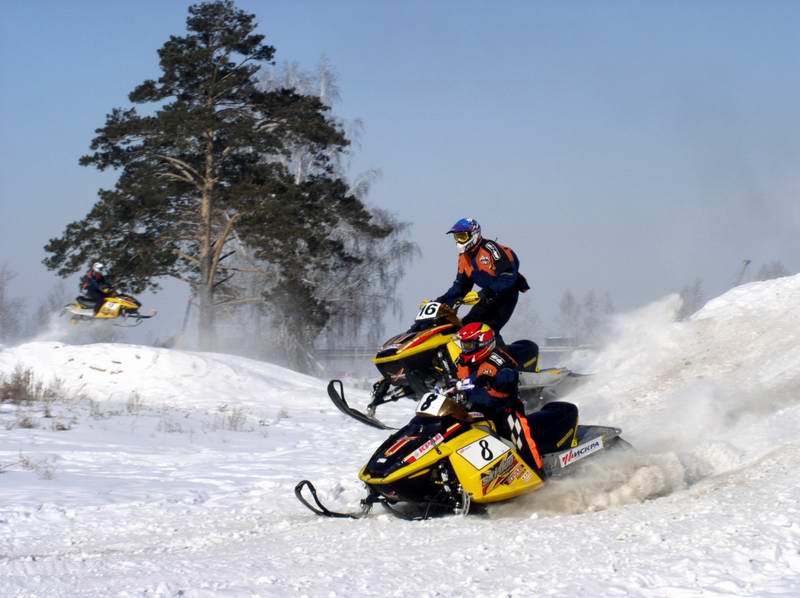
(367, 353)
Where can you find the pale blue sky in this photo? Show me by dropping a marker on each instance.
(620, 146)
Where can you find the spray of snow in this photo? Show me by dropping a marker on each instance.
(57, 328)
(697, 398)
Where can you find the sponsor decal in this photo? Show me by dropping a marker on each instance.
(580, 451)
(492, 248)
(398, 445)
(425, 448)
(527, 475)
(496, 358)
(498, 474)
(514, 474)
(484, 259)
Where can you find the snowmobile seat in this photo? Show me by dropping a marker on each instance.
(85, 302)
(554, 426)
(526, 354)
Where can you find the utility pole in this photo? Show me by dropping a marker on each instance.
(740, 278)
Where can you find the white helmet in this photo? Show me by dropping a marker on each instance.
(99, 268)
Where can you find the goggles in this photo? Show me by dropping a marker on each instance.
(461, 237)
(470, 346)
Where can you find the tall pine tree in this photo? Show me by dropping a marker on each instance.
(205, 166)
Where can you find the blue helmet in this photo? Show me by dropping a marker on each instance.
(467, 233)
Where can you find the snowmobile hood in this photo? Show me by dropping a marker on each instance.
(411, 449)
(408, 344)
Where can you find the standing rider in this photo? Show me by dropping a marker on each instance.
(489, 378)
(490, 265)
(95, 286)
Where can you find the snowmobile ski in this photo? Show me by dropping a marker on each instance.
(337, 397)
(136, 317)
(425, 509)
(319, 509)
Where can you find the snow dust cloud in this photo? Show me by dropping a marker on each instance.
(57, 328)
(697, 398)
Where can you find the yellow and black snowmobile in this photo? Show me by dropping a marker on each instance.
(449, 460)
(423, 359)
(115, 306)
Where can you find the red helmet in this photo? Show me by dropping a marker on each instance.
(477, 341)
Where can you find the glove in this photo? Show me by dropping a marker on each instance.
(471, 298)
(506, 379)
(465, 384)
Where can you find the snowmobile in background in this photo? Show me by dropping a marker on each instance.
(423, 359)
(449, 460)
(115, 307)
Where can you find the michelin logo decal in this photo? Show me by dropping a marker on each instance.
(580, 451)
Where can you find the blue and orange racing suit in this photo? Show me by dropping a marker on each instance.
(495, 269)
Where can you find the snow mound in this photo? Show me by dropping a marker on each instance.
(110, 371)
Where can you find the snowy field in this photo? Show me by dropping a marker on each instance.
(170, 473)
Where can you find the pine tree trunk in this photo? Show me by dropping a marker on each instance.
(206, 333)
(205, 293)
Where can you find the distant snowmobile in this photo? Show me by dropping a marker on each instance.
(449, 460)
(423, 359)
(115, 307)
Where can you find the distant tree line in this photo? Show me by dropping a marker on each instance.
(578, 321)
(582, 321)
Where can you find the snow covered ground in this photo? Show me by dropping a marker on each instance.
(171, 473)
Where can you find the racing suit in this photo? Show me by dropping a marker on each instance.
(495, 393)
(494, 268)
(96, 288)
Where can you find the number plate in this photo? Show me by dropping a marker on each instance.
(428, 311)
(482, 452)
(430, 403)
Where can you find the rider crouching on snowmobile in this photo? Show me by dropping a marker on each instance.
(494, 268)
(489, 378)
(95, 286)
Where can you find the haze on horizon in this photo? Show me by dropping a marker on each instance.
(624, 147)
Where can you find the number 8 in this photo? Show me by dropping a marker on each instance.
(486, 452)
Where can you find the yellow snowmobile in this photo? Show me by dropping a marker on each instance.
(423, 358)
(449, 460)
(115, 306)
